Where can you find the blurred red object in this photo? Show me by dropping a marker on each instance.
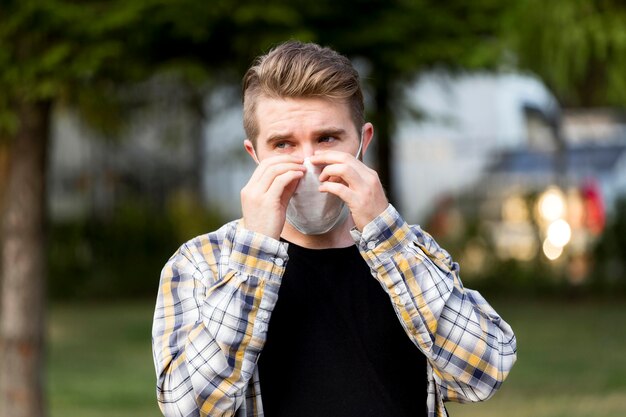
(595, 214)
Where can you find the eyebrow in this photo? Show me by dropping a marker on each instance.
(332, 131)
(278, 137)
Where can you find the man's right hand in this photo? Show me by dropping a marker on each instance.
(265, 197)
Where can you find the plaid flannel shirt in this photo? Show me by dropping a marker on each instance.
(217, 293)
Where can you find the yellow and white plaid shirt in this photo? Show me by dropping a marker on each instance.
(217, 293)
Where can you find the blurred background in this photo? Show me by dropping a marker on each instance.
(500, 128)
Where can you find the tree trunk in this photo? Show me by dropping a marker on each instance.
(384, 130)
(23, 267)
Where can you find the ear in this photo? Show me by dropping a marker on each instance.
(368, 135)
(247, 144)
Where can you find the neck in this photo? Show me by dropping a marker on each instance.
(338, 237)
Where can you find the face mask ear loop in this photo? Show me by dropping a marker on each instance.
(358, 153)
(256, 158)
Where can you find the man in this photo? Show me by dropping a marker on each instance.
(321, 300)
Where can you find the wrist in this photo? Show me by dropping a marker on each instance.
(261, 228)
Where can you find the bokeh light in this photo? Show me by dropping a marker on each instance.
(514, 209)
(551, 205)
(559, 233)
(551, 251)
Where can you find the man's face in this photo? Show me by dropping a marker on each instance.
(301, 126)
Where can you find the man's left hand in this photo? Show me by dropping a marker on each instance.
(352, 181)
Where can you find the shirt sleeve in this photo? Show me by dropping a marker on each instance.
(211, 320)
(469, 346)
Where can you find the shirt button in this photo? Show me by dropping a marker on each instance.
(260, 327)
(279, 261)
(371, 245)
(397, 290)
(262, 315)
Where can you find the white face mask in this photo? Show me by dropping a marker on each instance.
(312, 212)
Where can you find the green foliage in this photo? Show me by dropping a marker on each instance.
(47, 46)
(121, 256)
(63, 49)
(52, 48)
(578, 47)
(404, 37)
(610, 254)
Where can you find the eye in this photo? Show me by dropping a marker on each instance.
(327, 139)
(281, 145)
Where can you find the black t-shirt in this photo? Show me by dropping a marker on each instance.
(335, 346)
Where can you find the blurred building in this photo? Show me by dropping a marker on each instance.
(150, 155)
(467, 121)
(497, 166)
(596, 148)
(598, 126)
(474, 129)
(554, 203)
(464, 122)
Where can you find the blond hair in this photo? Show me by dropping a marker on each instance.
(301, 70)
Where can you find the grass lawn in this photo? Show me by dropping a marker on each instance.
(100, 361)
(571, 361)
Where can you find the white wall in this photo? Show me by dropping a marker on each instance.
(227, 165)
(467, 118)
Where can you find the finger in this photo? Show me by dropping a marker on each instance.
(272, 161)
(289, 190)
(333, 157)
(264, 182)
(340, 190)
(336, 157)
(346, 173)
(336, 179)
(282, 183)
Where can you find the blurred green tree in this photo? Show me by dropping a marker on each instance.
(577, 47)
(47, 48)
(54, 51)
(398, 40)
